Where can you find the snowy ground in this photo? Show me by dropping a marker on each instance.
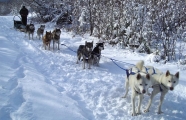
(37, 84)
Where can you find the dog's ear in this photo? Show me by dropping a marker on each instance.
(138, 76)
(177, 75)
(148, 76)
(167, 73)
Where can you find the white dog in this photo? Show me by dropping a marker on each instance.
(138, 82)
(161, 82)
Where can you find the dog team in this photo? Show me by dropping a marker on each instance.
(47, 37)
(140, 78)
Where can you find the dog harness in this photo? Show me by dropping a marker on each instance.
(154, 72)
(161, 89)
(130, 72)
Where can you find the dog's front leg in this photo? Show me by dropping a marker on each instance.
(45, 46)
(53, 44)
(133, 103)
(58, 45)
(139, 104)
(154, 92)
(98, 61)
(84, 63)
(161, 101)
(126, 87)
(29, 36)
(32, 36)
(89, 63)
(49, 45)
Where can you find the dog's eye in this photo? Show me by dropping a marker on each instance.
(169, 81)
(145, 84)
(140, 84)
(174, 81)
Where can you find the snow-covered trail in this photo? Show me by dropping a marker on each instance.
(39, 84)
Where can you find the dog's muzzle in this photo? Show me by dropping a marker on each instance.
(171, 88)
(143, 91)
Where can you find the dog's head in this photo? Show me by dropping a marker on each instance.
(89, 46)
(170, 80)
(142, 82)
(31, 26)
(100, 45)
(57, 32)
(42, 27)
(48, 35)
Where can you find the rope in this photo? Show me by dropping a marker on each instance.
(117, 64)
(69, 48)
(113, 60)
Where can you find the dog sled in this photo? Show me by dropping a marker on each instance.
(18, 25)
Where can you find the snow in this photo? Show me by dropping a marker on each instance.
(38, 84)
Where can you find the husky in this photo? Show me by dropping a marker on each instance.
(56, 37)
(161, 83)
(96, 53)
(30, 30)
(47, 39)
(40, 31)
(138, 82)
(84, 51)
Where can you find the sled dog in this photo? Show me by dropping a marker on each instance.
(30, 30)
(56, 37)
(96, 53)
(84, 51)
(47, 39)
(40, 31)
(161, 83)
(138, 82)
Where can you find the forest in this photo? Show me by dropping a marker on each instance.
(146, 26)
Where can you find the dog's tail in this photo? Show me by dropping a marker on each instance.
(140, 65)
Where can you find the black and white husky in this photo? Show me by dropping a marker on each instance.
(56, 37)
(40, 31)
(84, 52)
(96, 53)
(30, 30)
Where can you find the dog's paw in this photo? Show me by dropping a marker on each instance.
(146, 111)
(124, 96)
(134, 114)
(159, 112)
(138, 113)
(149, 94)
